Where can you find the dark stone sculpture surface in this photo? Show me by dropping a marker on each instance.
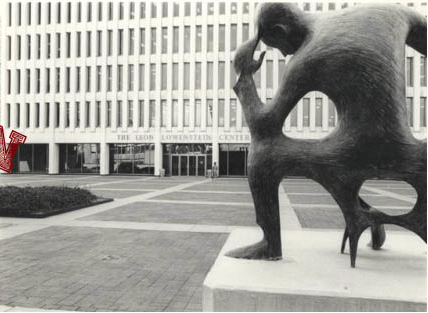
(356, 57)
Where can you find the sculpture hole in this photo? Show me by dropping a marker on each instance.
(389, 196)
(314, 117)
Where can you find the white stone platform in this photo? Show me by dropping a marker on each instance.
(314, 276)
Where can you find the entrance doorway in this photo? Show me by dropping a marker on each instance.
(188, 165)
(191, 159)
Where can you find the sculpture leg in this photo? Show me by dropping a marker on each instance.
(264, 190)
(377, 231)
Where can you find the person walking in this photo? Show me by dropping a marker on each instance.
(214, 173)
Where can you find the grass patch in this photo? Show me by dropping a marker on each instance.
(44, 201)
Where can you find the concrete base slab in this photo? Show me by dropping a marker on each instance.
(314, 276)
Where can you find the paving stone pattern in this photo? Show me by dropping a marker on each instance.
(88, 269)
(208, 214)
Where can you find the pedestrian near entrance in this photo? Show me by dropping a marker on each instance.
(214, 171)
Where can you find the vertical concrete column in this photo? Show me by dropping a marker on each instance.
(215, 152)
(104, 159)
(53, 158)
(158, 156)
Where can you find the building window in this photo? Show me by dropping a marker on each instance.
(58, 79)
(152, 112)
(67, 114)
(210, 75)
(89, 12)
(186, 76)
(142, 10)
(306, 112)
(98, 114)
(79, 158)
(27, 118)
(423, 112)
(142, 40)
(186, 38)
(58, 12)
(233, 77)
(131, 42)
(48, 79)
(164, 39)
(197, 112)
(130, 113)
(119, 114)
(39, 45)
(153, 40)
(88, 114)
(198, 75)
(176, 38)
(210, 8)
(306, 6)
(141, 77)
(131, 10)
(79, 12)
(176, 9)
(98, 78)
(9, 82)
(109, 42)
(18, 81)
(221, 75)
(28, 80)
(9, 48)
(130, 77)
(57, 115)
(186, 112)
(232, 112)
(108, 117)
(38, 115)
(409, 71)
(222, 8)
(164, 9)
(78, 79)
(132, 159)
(423, 71)
(77, 106)
(88, 79)
(331, 6)
(38, 80)
(269, 74)
(99, 43)
(153, 12)
(221, 37)
(152, 76)
(120, 42)
(233, 8)
(88, 44)
(318, 112)
(48, 47)
(8, 114)
(18, 115)
(293, 117)
(58, 45)
(210, 112)
(141, 113)
(18, 47)
(318, 6)
(409, 105)
(233, 36)
(163, 113)
(164, 76)
(78, 44)
(198, 39)
(68, 43)
(119, 77)
(100, 11)
(68, 12)
(174, 112)
(221, 112)
(47, 106)
(210, 38)
(245, 32)
(109, 77)
(9, 7)
(110, 11)
(120, 10)
(187, 9)
(175, 76)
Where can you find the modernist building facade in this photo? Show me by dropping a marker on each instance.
(124, 87)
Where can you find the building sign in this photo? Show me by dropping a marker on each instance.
(234, 137)
(181, 138)
(186, 138)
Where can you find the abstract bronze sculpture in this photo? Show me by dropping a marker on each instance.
(356, 57)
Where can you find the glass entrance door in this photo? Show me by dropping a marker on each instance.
(188, 165)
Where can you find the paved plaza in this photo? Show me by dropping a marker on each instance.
(151, 248)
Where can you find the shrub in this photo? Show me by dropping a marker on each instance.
(43, 201)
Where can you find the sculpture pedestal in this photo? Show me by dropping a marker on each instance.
(314, 276)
